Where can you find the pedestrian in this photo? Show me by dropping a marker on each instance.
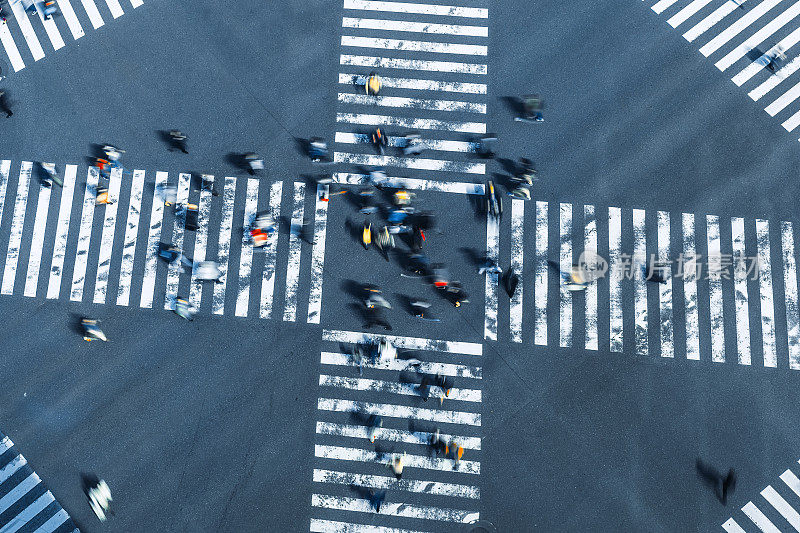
(656, 271)
(169, 193)
(489, 266)
(4, 104)
(396, 464)
(208, 271)
(455, 451)
(376, 498)
(374, 422)
(317, 149)
(573, 281)
(386, 352)
(456, 294)
(178, 141)
(412, 145)
(103, 197)
(375, 317)
(254, 162)
(419, 309)
(385, 242)
(438, 444)
(510, 281)
(358, 358)
(425, 387)
(304, 232)
(485, 147)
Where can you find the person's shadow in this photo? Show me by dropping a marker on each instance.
(711, 477)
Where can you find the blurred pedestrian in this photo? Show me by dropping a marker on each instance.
(376, 499)
(455, 451)
(375, 317)
(510, 281)
(396, 464)
(254, 162)
(103, 196)
(317, 149)
(489, 266)
(374, 422)
(412, 144)
(305, 231)
(208, 271)
(438, 444)
(485, 147)
(4, 105)
(178, 141)
(380, 141)
(358, 358)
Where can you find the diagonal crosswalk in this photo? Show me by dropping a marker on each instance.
(62, 244)
(777, 514)
(25, 502)
(745, 38)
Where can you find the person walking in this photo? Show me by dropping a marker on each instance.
(4, 106)
(376, 498)
(178, 141)
(489, 266)
(396, 464)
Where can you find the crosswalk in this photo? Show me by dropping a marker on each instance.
(62, 245)
(433, 492)
(778, 514)
(25, 502)
(743, 37)
(33, 29)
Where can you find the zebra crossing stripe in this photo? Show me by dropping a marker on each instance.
(390, 387)
(758, 65)
(343, 453)
(715, 290)
(413, 184)
(445, 369)
(224, 244)
(37, 242)
(442, 165)
(318, 254)
(665, 289)
(730, 525)
(420, 9)
(399, 142)
(17, 221)
(178, 230)
(707, 23)
(791, 481)
(759, 518)
(408, 343)
(681, 16)
(12, 467)
(615, 278)
(639, 282)
(414, 46)
(153, 240)
(565, 264)
(737, 27)
(11, 48)
(72, 21)
(421, 85)
(394, 435)
(115, 8)
(765, 289)
(590, 245)
(782, 506)
(415, 27)
(84, 235)
(792, 122)
(93, 13)
(775, 79)
(412, 64)
(27, 31)
(62, 229)
(131, 233)
(540, 280)
(740, 292)
(332, 526)
(268, 279)
(783, 100)
(393, 509)
(385, 482)
(490, 282)
(400, 411)
(295, 247)
(5, 445)
(107, 238)
(412, 103)
(52, 31)
(200, 240)
(790, 291)
(53, 523)
(411, 123)
(30, 511)
(689, 280)
(661, 5)
(136, 3)
(517, 242)
(246, 260)
(19, 491)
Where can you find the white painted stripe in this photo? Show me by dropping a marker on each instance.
(391, 387)
(615, 275)
(5, 445)
(661, 5)
(790, 289)
(491, 279)
(11, 48)
(318, 254)
(517, 250)
(393, 509)
(295, 248)
(413, 103)
(342, 453)
(792, 122)
(409, 162)
(737, 27)
(414, 46)
(566, 262)
(791, 481)
(681, 16)
(414, 27)
(200, 242)
(421, 9)
(640, 284)
(29, 513)
(385, 482)
(410, 122)
(665, 289)
(332, 526)
(62, 229)
(17, 223)
(413, 184)
(153, 238)
(731, 526)
(412, 64)
(775, 79)
(27, 31)
(224, 244)
(107, 238)
(783, 100)
(541, 276)
(246, 255)
(84, 235)
(400, 411)
(93, 13)
(12, 467)
(115, 8)
(758, 65)
(782, 506)
(715, 290)
(408, 343)
(758, 37)
(131, 233)
(590, 245)
(421, 85)
(65, 8)
(400, 365)
(394, 435)
(52, 31)
(740, 291)
(178, 230)
(759, 518)
(704, 25)
(53, 523)
(268, 279)
(11, 497)
(136, 3)
(37, 241)
(399, 142)
(689, 280)
(765, 290)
